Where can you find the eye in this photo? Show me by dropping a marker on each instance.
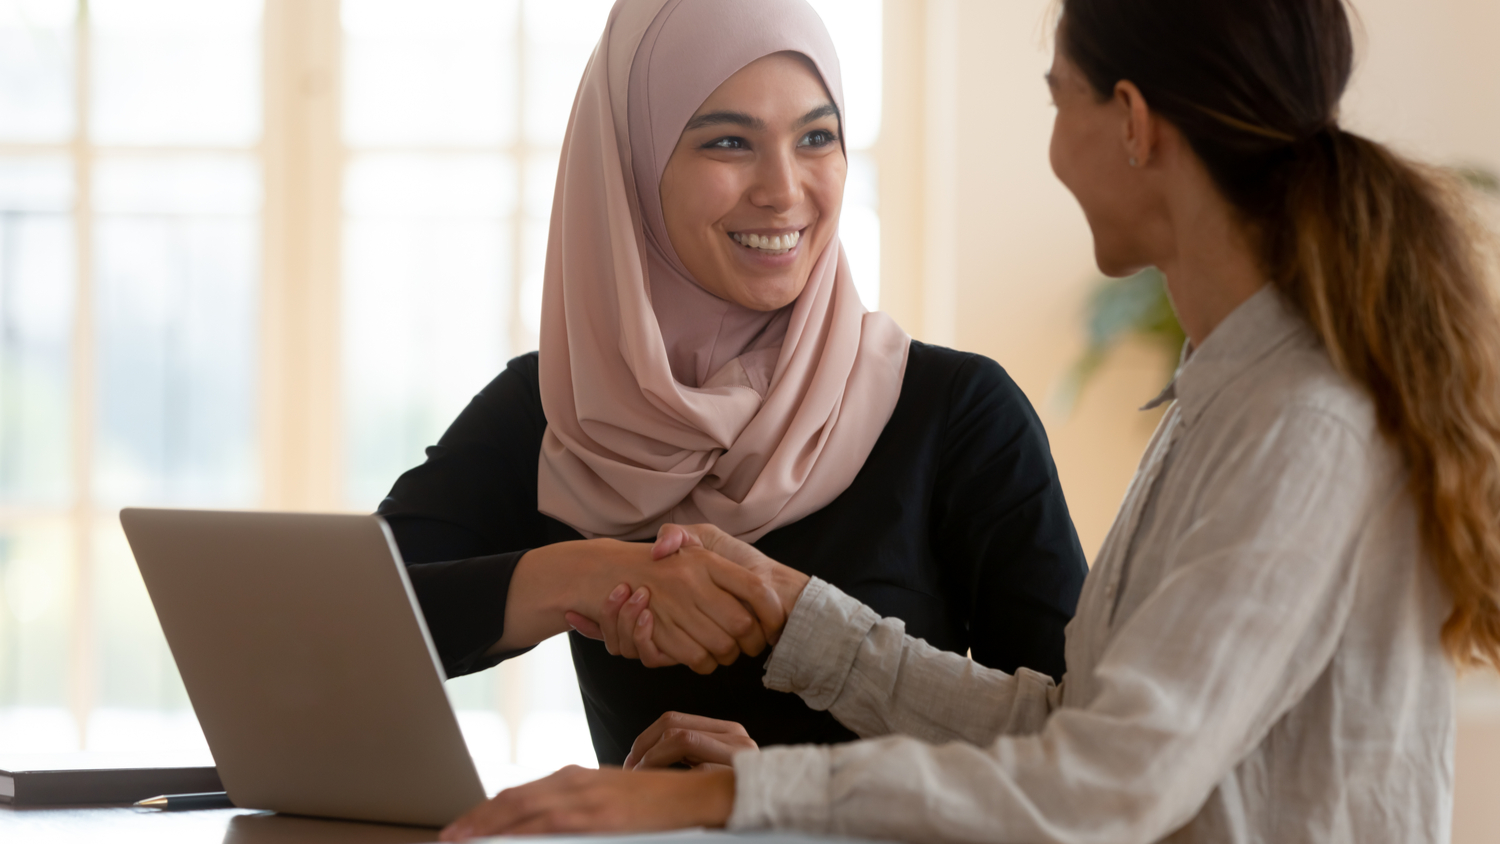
(818, 138)
(727, 143)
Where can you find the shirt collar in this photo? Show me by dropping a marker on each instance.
(1250, 332)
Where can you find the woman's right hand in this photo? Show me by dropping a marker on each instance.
(784, 580)
(705, 609)
(700, 743)
(640, 625)
(627, 624)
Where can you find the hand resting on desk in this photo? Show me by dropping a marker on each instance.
(577, 800)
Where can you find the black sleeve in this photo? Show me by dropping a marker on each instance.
(464, 518)
(1002, 527)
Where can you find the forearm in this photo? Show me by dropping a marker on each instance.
(838, 655)
(1023, 788)
(549, 582)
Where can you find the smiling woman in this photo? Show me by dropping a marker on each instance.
(705, 357)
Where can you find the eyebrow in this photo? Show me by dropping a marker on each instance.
(822, 111)
(733, 118)
(739, 118)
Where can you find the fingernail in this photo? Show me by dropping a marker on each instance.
(639, 597)
(645, 617)
(619, 592)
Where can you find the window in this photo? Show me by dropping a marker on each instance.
(164, 247)
(130, 200)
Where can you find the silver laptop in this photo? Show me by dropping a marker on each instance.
(307, 662)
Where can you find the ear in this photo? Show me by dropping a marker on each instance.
(1138, 131)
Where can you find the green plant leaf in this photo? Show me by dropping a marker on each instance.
(1481, 178)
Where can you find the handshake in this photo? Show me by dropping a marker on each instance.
(701, 598)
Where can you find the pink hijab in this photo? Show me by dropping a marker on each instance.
(664, 402)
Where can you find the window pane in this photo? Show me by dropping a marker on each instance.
(36, 597)
(437, 72)
(555, 731)
(533, 267)
(176, 71)
(36, 183)
(560, 36)
(177, 246)
(859, 227)
(181, 185)
(36, 322)
(36, 70)
(427, 285)
(857, 28)
(141, 703)
(541, 183)
(429, 187)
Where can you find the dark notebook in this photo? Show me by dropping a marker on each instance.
(33, 779)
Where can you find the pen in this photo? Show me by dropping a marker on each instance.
(177, 802)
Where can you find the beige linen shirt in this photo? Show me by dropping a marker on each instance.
(1255, 656)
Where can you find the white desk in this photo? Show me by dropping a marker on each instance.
(128, 825)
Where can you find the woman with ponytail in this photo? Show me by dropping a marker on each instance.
(1266, 645)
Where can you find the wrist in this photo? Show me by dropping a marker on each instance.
(587, 577)
(788, 584)
(544, 586)
(714, 800)
(565, 576)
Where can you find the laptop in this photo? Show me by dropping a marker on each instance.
(308, 663)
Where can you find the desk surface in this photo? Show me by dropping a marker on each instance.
(92, 825)
(129, 825)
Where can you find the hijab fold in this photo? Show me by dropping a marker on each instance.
(664, 402)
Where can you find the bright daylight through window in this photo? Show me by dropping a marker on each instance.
(137, 210)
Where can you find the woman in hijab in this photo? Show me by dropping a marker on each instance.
(1265, 647)
(705, 358)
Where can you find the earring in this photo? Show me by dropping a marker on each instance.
(1133, 162)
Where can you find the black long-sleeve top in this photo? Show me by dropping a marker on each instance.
(956, 524)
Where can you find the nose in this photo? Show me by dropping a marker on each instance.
(778, 182)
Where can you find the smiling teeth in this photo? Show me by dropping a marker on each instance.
(778, 245)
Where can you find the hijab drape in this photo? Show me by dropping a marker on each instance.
(664, 402)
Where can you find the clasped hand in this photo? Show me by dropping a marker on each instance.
(697, 626)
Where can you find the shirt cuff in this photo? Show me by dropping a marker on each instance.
(818, 646)
(782, 788)
(463, 606)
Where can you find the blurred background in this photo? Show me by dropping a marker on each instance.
(258, 253)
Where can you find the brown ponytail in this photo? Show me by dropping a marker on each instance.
(1375, 251)
(1371, 250)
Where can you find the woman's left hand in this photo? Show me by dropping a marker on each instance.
(580, 800)
(704, 744)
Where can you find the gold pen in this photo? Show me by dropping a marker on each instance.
(179, 802)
